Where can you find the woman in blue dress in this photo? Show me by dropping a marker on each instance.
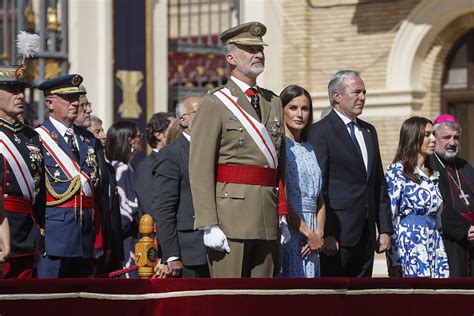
(417, 247)
(307, 214)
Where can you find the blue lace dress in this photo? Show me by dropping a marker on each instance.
(303, 183)
(417, 244)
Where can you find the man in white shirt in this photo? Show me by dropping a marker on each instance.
(354, 187)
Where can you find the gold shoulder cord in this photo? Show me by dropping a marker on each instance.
(74, 186)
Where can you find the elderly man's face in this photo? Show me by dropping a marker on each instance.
(12, 101)
(63, 108)
(98, 131)
(447, 142)
(248, 60)
(84, 112)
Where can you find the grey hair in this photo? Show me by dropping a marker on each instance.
(335, 84)
(452, 125)
(181, 106)
(228, 48)
(96, 119)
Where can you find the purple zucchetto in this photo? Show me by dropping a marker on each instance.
(443, 118)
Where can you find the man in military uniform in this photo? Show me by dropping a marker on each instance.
(72, 238)
(236, 162)
(21, 176)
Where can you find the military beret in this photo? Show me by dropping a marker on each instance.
(12, 75)
(249, 33)
(69, 84)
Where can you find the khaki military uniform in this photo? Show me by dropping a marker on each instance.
(243, 212)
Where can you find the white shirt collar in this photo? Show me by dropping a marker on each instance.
(188, 137)
(242, 85)
(344, 118)
(59, 126)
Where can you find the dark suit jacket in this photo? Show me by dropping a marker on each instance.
(144, 183)
(351, 193)
(173, 206)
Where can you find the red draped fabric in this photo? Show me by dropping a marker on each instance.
(229, 297)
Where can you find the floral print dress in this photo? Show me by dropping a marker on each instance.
(417, 244)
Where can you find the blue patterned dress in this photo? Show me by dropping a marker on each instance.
(416, 242)
(128, 205)
(303, 183)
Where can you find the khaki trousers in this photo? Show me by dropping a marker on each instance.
(247, 259)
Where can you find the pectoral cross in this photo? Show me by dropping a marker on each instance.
(464, 196)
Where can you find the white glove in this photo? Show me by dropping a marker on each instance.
(215, 238)
(285, 235)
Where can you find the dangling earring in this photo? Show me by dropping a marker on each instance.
(132, 149)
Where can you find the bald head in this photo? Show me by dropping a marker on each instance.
(185, 111)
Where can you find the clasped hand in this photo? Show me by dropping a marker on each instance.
(314, 244)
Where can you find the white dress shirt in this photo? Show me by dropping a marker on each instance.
(62, 130)
(358, 134)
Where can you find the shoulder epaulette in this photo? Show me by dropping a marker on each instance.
(263, 90)
(214, 90)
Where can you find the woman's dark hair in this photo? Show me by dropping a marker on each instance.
(412, 134)
(294, 91)
(118, 146)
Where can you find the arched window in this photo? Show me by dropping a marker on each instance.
(457, 97)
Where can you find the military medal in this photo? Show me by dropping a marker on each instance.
(275, 129)
(241, 142)
(17, 140)
(56, 175)
(54, 136)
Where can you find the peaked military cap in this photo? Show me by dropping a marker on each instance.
(69, 84)
(12, 75)
(249, 33)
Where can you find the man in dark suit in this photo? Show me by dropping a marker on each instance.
(182, 246)
(102, 199)
(354, 187)
(156, 133)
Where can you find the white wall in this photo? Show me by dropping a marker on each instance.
(268, 12)
(159, 45)
(90, 52)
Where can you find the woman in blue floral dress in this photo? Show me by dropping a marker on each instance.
(303, 184)
(417, 247)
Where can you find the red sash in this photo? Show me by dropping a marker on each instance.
(15, 204)
(253, 175)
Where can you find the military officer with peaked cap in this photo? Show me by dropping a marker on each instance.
(72, 226)
(236, 163)
(21, 175)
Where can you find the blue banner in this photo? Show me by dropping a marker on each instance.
(131, 62)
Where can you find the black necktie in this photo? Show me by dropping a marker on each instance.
(72, 143)
(254, 100)
(354, 139)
